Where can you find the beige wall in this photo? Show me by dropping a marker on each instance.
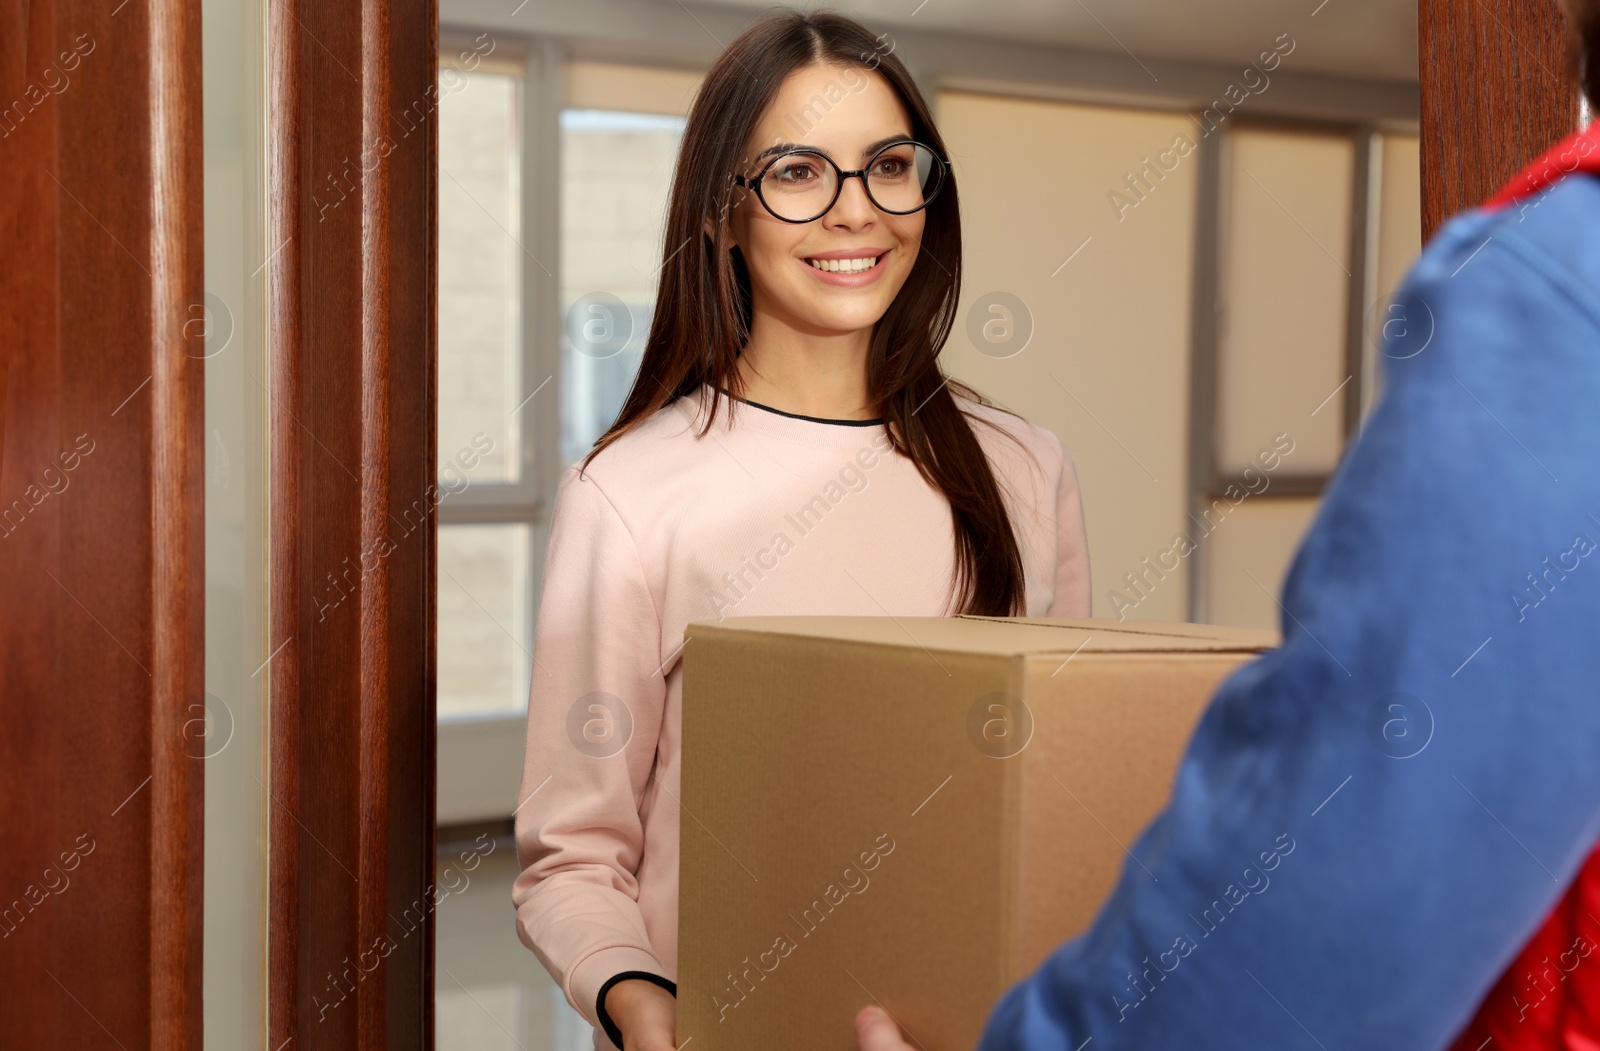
(1248, 557)
(1107, 367)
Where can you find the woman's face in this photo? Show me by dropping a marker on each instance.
(847, 113)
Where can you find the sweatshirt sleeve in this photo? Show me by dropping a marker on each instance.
(1072, 544)
(594, 716)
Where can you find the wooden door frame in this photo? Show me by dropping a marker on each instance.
(1477, 130)
(351, 360)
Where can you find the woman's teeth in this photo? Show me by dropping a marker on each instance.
(845, 266)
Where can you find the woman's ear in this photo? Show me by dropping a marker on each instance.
(711, 232)
(726, 217)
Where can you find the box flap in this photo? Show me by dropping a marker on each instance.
(1005, 636)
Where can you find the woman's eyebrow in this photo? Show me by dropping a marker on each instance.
(868, 151)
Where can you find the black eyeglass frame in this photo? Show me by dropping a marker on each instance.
(941, 166)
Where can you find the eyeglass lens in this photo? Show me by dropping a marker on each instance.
(900, 179)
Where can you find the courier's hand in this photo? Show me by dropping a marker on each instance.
(876, 1031)
(646, 1014)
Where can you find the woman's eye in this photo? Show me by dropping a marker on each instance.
(892, 167)
(796, 173)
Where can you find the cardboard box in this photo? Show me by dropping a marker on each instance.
(913, 811)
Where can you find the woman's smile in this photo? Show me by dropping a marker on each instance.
(848, 268)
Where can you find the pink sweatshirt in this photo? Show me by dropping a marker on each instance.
(770, 513)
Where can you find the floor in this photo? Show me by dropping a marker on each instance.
(492, 993)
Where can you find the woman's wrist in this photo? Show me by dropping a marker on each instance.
(623, 995)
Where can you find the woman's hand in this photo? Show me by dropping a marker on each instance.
(646, 1013)
(876, 1031)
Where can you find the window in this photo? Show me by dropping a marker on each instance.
(616, 174)
(483, 618)
(486, 506)
(553, 184)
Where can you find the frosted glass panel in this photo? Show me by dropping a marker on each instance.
(1247, 555)
(237, 647)
(480, 266)
(1285, 281)
(485, 647)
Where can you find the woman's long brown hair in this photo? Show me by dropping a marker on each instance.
(703, 304)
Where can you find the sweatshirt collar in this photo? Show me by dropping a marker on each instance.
(800, 430)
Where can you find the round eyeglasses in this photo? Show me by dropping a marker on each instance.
(802, 185)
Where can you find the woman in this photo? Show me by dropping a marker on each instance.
(789, 446)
